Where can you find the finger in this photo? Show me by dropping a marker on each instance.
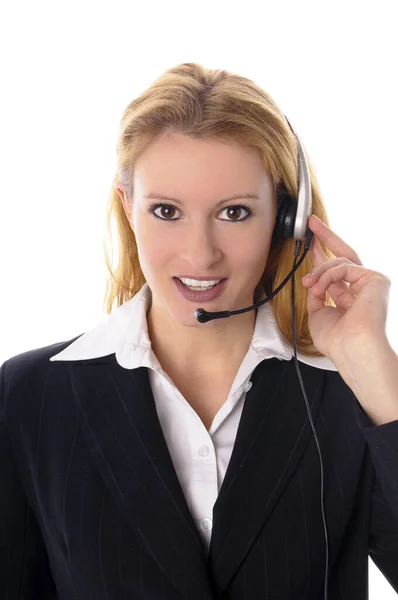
(325, 265)
(353, 274)
(338, 291)
(331, 277)
(318, 255)
(331, 240)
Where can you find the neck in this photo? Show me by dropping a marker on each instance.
(192, 349)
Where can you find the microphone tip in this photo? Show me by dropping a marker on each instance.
(200, 315)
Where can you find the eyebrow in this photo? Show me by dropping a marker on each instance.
(153, 196)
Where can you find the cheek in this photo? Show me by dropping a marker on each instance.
(256, 245)
(256, 261)
(156, 252)
(152, 253)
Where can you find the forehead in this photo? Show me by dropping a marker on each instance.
(176, 163)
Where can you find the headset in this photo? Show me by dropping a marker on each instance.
(291, 222)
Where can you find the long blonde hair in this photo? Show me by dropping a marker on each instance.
(212, 103)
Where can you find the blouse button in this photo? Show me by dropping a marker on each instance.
(203, 451)
(207, 524)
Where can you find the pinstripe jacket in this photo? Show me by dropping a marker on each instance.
(91, 507)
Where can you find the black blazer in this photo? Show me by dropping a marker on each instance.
(91, 507)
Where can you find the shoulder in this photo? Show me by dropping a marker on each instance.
(26, 369)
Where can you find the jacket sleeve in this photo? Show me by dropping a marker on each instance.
(382, 441)
(24, 566)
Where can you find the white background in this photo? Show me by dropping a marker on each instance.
(68, 71)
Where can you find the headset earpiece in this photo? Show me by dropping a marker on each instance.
(285, 218)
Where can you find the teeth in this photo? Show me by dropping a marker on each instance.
(199, 284)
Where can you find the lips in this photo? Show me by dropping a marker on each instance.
(200, 278)
(202, 295)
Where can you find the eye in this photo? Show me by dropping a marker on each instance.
(168, 207)
(154, 207)
(239, 209)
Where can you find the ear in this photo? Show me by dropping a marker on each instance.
(126, 205)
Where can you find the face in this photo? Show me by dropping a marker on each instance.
(205, 233)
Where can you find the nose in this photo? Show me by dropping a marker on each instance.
(201, 248)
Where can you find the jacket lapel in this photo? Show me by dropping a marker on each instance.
(128, 446)
(273, 433)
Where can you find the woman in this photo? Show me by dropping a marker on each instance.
(157, 457)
